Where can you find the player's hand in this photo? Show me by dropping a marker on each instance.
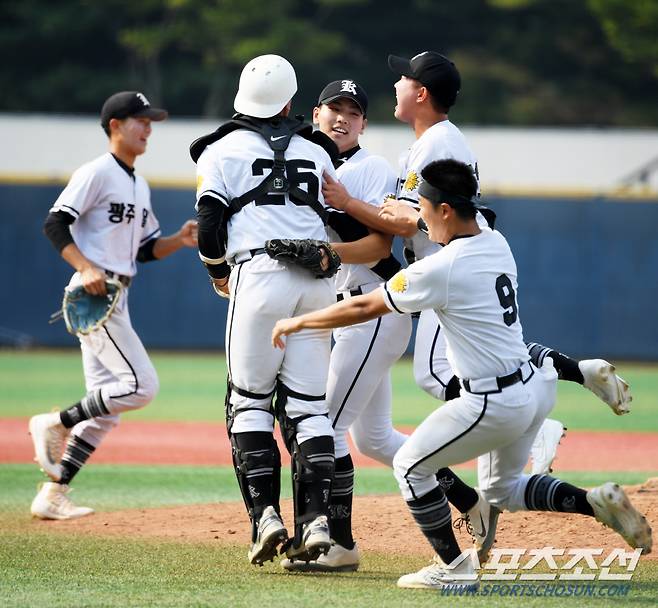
(396, 211)
(284, 327)
(93, 280)
(335, 194)
(221, 287)
(188, 233)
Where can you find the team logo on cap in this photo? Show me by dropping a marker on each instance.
(399, 282)
(348, 86)
(143, 99)
(412, 181)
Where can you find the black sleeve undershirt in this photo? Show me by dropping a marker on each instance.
(145, 252)
(56, 228)
(212, 235)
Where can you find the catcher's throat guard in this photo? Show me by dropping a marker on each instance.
(84, 313)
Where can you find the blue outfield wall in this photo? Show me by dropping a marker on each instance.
(588, 276)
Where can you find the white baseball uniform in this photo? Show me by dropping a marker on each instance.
(264, 290)
(359, 390)
(113, 218)
(471, 285)
(442, 140)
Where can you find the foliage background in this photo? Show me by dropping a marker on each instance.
(523, 62)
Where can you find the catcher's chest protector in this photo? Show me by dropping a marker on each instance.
(277, 133)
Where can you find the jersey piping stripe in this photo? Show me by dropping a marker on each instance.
(230, 326)
(150, 236)
(358, 373)
(213, 194)
(436, 336)
(70, 209)
(445, 445)
(390, 299)
(132, 369)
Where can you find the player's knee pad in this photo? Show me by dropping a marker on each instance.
(255, 411)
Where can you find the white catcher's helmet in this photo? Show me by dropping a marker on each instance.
(267, 84)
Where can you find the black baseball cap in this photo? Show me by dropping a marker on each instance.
(434, 71)
(129, 103)
(345, 88)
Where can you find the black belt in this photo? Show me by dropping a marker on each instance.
(242, 256)
(501, 382)
(353, 292)
(122, 278)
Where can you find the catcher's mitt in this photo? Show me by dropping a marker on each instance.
(84, 312)
(306, 253)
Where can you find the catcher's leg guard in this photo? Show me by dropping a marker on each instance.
(312, 465)
(257, 463)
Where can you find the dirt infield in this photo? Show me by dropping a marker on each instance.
(193, 443)
(227, 523)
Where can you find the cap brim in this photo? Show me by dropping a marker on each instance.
(400, 65)
(342, 96)
(152, 113)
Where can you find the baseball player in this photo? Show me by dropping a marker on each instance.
(427, 88)
(359, 391)
(471, 283)
(259, 178)
(102, 224)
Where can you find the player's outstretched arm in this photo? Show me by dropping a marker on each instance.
(366, 250)
(185, 237)
(348, 312)
(336, 195)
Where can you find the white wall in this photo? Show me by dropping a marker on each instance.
(569, 161)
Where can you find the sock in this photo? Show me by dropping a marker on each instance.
(545, 493)
(566, 367)
(319, 451)
(432, 514)
(340, 505)
(458, 493)
(257, 460)
(75, 455)
(90, 406)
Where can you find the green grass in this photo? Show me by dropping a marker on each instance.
(193, 385)
(56, 570)
(112, 487)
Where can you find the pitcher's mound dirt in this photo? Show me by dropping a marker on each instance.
(381, 524)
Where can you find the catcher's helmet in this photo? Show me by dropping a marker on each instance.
(267, 84)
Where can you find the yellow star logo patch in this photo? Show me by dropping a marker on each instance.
(199, 181)
(399, 282)
(411, 183)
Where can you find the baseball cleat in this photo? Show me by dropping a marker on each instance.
(600, 378)
(613, 509)
(315, 541)
(544, 448)
(481, 521)
(337, 559)
(271, 533)
(48, 437)
(439, 576)
(52, 502)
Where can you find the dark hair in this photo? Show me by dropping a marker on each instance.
(453, 177)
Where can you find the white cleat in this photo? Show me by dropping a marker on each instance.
(338, 559)
(544, 448)
(481, 522)
(600, 378)
(613, 509)
(315, 541)
(48, 437)
(52, 502)
(271, 533)
(439, 576)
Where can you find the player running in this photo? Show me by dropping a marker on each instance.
(471, 283)
(102, 224)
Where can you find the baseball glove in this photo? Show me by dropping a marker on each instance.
(316, 256)
(84, 312)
